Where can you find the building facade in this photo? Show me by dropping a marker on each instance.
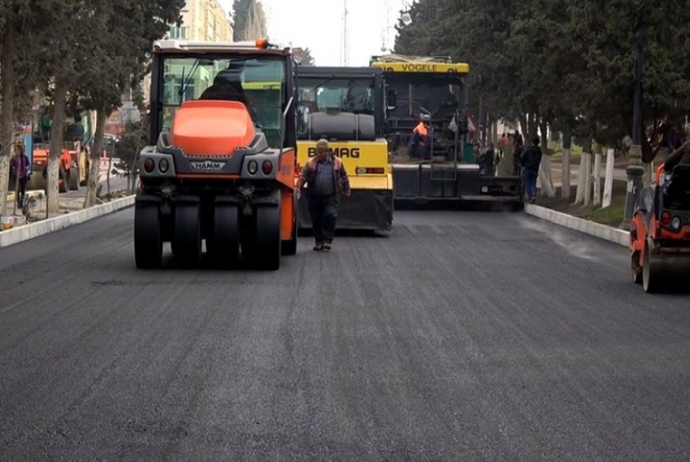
(203, 20)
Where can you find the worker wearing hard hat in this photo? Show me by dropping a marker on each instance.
(420, 142)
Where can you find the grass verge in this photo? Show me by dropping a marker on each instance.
(610, 216)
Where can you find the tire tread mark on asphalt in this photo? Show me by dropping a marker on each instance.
(439, 323)
(69, 359)
(37, 306)
(18, 279)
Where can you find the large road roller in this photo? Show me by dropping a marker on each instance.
(660, 230)
(221, 165)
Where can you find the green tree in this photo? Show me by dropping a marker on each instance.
(125, 41)
(304, 57)
(127, 149)
(249, 20)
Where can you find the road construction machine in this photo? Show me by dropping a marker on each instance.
(660, 230)
(345, 105)
(221, 165)
(435, 87)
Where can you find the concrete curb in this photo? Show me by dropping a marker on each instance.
(608, 233)
(30, 231)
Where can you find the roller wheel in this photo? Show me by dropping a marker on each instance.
(267, 252)
(224, 245)
(74, 179)
(651, 274)
(187, 234)
(148, 244)
(290, 247)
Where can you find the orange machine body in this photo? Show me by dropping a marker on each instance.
(212, 128)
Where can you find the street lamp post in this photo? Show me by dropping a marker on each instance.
(635, 170)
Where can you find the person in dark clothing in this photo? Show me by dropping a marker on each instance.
(487, 161)
(227, 85)
(327, 179)
(19, 172)
(530, 161)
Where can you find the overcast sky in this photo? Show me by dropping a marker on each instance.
(367, 21)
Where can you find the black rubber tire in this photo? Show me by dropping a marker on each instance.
(267, 253)
(74, 179)
(224, 244)
(187, 234)
(290, 247)
(652, 281)
(148, 243)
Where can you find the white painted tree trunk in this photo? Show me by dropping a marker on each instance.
(565, 174)
(544, 177)
(608, 181)
(587, 159)
(581, 183)
(596, 178)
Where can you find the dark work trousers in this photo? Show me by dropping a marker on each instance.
(22, 189)
(324, 212)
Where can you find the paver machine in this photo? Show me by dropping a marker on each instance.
(660, 228)
(435, 87)
(221, 166)
(345, 105)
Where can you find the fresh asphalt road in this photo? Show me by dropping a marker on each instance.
(462, 336)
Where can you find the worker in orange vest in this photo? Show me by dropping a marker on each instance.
(420, 142)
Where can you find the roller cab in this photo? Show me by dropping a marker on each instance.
(221, 166)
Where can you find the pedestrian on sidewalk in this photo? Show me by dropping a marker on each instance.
(19, 174)
(530, 161)
(327, 179)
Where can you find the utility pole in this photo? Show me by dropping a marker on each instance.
(345, 46)
(635, 170)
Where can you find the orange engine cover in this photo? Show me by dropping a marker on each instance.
(212, 128)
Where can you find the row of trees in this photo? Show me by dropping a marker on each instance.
(81, 55)
(567, 65)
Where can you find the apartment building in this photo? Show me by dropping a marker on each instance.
(204, 20)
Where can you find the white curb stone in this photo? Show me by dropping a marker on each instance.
(30, 231)
(608, 233)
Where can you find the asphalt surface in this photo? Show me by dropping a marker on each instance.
(462, 336)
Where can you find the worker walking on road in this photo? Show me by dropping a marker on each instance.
(327, 179)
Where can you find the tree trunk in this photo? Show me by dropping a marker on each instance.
(565, 168)
(544, 138)
(56, 140)
(587, 179)
(533, 123)
(96, 153)
(7, 69)
(523, 126)
(596, 175)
